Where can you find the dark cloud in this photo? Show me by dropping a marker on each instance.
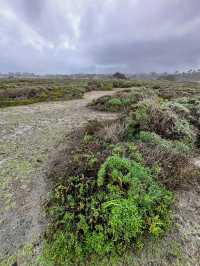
(31, 10)
(85, 35)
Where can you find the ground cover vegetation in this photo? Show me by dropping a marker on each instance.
(108, 206)
(22, 92)
(27, 91)
(115, 189)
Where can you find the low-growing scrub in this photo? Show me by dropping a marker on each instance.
(127, 83)
(107, 214)
(173, 90)
(19, 92)
(152, 116)
(190, 108)
(104, 85)
(123, 100)
(171, 159)
(107, 211)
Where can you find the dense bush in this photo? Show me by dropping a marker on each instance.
(171, 159)
(168, 145)
(100, 85)
(122, 101)
(107, 214)
(188, 108)
(127, 83)
(107, 86)
(152, 116)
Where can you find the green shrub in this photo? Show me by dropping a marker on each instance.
(107, 215)
(156, 87)
(182, 111)
(127, 83)
(151, 116)
(187, 107)
(114, 102)
(128, 150)
(108, 86)
(117, 84)
(172, 146)
(123, 100)
(171, 159)
(126, 101)
(100, 85)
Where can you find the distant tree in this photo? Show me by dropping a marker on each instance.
(119, 75)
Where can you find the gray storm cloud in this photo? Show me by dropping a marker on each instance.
(64, 36)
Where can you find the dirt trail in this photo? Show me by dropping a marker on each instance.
(28, 135)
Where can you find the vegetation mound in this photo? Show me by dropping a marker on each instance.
(152, 116)
(123, 100)
(108, 209)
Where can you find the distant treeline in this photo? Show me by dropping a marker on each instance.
(189, 75)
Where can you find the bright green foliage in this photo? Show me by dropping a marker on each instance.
(128, 150)
(118, 167)
(106, 215)
(125, 221)
(115, 102)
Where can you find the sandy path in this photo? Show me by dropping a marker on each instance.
(28, 135)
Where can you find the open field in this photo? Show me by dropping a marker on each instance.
(113, 148)
(15, 92)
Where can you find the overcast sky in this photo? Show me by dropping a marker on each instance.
(103, 36)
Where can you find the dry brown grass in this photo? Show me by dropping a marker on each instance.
(112, 132)
(176, 170)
